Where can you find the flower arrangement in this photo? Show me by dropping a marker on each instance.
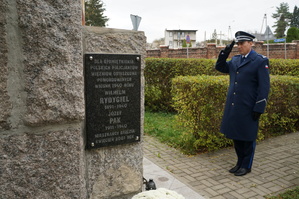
(160, 193)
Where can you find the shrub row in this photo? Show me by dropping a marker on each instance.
(160, 71)
(284, 67)
(282, 112)
(199, 101)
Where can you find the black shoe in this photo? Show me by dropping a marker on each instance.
(242, 171)
(234, 169)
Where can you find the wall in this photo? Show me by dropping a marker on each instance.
(42, 140)
(42, 106)
(276, 51)
(115, 171)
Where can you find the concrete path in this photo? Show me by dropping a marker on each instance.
(164, 179)
(275, 169)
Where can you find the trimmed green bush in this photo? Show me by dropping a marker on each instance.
(282, 111)
(160, 71)
(199, 101)
(284, 67)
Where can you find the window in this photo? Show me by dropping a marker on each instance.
(170, 34)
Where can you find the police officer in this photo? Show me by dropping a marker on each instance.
(246, 98)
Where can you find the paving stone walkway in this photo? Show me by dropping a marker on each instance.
(275, 168)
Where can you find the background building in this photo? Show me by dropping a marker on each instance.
(175, 38)
(263, 36)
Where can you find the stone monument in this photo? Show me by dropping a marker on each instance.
(44, 147)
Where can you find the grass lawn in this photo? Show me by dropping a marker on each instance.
(290, 194)
(163, 127)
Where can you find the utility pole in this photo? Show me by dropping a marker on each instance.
(266, 32)
(229, 33)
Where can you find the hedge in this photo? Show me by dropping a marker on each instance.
(282, 112)
(160, 71)
(199, 101)
(284, 67)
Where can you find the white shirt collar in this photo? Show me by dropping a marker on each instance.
(246, 55)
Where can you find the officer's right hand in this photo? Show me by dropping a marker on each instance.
(229, 48)
(223, 55)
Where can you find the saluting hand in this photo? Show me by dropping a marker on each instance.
(223, 55)
(229, 48)
(225, 52)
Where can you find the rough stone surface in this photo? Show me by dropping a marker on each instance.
(108, 40)
(52, 46)
(5, 105)
(42, 149)
(42, 100)
(115, 172)
(45, 165)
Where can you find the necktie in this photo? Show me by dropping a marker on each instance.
(243, 58)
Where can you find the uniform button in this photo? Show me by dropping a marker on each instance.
(237, 72)
(233, 104)
(236, 82)
(234, 93)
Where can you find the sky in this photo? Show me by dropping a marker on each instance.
(205, 16)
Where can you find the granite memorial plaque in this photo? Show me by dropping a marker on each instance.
(112, 95)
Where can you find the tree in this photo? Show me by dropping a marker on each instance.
(185, 44)
(295, 18)
(156, 43)
(94, 13)
(282, 16)
(293, 34)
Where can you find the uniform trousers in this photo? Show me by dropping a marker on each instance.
(245, 152)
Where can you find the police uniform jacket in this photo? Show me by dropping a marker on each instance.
(248, 92)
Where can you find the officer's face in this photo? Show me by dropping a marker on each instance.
(244, 47)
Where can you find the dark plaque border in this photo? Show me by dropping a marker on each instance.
(112, 99)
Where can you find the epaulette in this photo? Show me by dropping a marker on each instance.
(263, 56)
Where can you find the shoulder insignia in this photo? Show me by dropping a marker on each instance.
(263, 56)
